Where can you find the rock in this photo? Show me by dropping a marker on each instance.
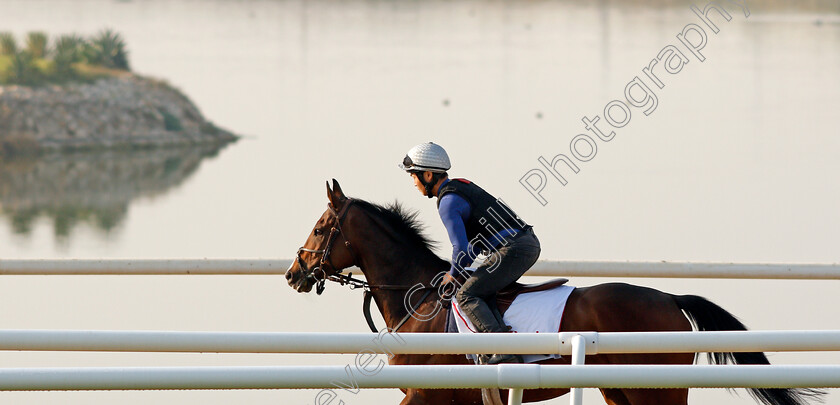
(110, 112)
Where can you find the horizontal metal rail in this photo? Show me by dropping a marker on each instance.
(687, 270)
(541, 268)
(142, 266)
(417, 343)
(526, 376)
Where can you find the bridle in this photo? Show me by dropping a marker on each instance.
(353, 283)
(325, 256)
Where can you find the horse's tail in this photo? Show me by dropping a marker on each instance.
(708, 316)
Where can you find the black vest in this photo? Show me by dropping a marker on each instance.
(488, 215)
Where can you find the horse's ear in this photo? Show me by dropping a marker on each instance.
(329, 191)
(337, 190)
(335, 195)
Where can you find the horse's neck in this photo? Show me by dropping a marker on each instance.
(392, 307)
(389, 261)
(402, 270)
(392, 302)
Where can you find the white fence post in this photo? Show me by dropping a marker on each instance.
(578, 359)
(515, 396)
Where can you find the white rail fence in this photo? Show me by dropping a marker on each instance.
(418, 343)
(518, 376)
(541, 268)
(514, 377)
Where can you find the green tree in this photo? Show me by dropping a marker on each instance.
(23, 70)
(68, 50)
(8, 44)
(108, 49)
(36, 44)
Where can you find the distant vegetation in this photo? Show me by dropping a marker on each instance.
(68, 58)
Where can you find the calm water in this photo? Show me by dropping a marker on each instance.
(737, 162)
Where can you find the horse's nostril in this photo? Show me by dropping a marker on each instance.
(289, 276)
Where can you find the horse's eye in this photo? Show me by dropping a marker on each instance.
(317, 232)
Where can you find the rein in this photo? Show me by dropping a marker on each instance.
(353, 283)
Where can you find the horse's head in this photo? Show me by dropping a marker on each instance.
(327, 250)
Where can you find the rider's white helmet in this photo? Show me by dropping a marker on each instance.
(427, 156)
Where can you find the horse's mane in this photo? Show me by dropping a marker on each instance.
(403, 220)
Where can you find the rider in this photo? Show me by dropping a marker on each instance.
(475, 220)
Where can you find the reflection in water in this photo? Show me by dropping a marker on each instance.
(95, 188)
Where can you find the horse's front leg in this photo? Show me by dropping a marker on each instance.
(428, 397)
(414, 397)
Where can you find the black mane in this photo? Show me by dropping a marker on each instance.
(404, 222)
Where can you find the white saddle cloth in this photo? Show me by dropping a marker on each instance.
(534, 312)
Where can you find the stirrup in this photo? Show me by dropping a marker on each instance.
(504, 358)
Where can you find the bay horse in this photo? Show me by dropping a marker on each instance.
(390, 248)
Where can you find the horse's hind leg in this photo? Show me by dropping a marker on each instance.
(614, 397)
(675, 396)
(417, 397)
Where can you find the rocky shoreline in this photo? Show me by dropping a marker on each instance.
(128, 111)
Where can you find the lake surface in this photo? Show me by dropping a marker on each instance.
(736, 163)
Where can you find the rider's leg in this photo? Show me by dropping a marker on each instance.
(503, 267)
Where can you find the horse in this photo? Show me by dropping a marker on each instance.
(389, 246)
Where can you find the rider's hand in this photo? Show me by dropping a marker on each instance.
(447, 279)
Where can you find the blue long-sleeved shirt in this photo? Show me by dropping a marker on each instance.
(454, 211)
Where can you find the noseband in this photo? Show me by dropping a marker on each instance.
(325, 253)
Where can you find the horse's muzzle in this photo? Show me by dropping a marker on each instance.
(300, 283)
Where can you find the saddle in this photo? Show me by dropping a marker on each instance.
(506, 296)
